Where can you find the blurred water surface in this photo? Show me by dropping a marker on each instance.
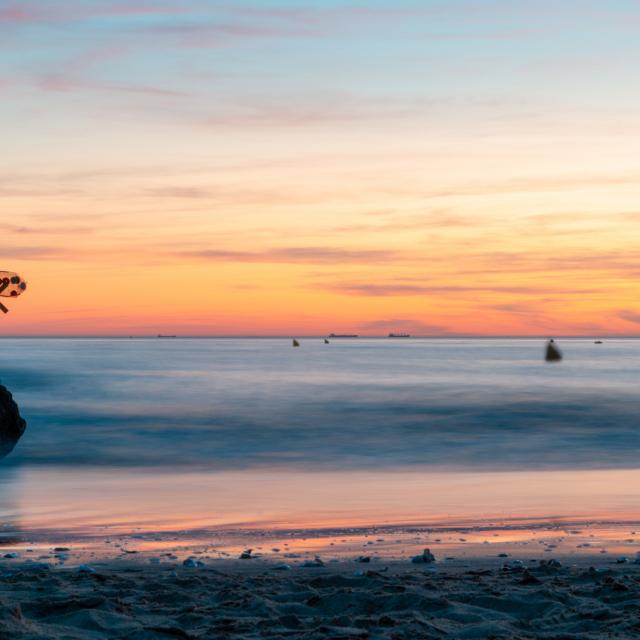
(239, 430)
(239, 403)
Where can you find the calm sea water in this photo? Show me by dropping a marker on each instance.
(249, 430)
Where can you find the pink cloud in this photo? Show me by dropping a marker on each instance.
(19, 15)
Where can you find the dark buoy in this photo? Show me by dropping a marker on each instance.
(326, 341)
(553, 353)
(296, 343)
(12, 425)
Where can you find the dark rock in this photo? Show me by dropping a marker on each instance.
(12, 426)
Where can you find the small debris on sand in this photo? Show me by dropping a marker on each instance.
(316, 562)
(85, 568)
(192, 563)
(426, 557)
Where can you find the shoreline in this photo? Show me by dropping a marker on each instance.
(572, 540)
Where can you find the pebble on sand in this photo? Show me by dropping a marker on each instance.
(425, 558)
(85, 568)
(192, 563)
(316, 562)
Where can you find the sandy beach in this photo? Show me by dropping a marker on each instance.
(521, 580)
(501, 598)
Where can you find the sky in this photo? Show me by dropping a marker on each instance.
(458, 167)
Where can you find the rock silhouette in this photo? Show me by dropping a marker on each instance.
(12, 425)
(553, 354)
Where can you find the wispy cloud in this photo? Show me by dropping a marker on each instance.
(179, 192)
(310, 255)
(35, 252)
(542, 183)
(20, 14)
(60, 82)
(518, 308)
(630, 316)
(407, 289)
(45, 230)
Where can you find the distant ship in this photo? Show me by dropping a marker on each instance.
(160, 335)
(343, 335)
(399, 335)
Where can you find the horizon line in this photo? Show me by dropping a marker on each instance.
(320, 336)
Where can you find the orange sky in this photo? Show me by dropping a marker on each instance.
(304, 174)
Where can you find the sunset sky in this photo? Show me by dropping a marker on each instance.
(294, 168)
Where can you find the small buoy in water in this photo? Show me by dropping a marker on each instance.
(296, 343)
(326, 341)
(553, 353)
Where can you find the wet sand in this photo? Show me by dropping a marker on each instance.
(524, 580)
(484, 598)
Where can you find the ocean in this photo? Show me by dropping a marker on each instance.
(252, 432)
